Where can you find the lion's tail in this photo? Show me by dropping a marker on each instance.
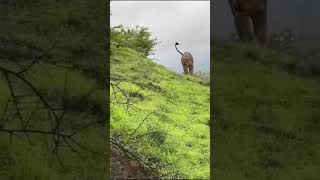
(177, 48)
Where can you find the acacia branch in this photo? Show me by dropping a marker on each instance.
(37, 59)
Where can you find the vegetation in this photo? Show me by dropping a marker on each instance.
(52, 106)
(159, 116)
(138, 38)
(266, 108)
(52, 103)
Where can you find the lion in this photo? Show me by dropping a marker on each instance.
(186, 61)
(250, 19)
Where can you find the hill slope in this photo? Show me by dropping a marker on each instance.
(160, 116)
(267, 111)
(28, 153)
(52, 93)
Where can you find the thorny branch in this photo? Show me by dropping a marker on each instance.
(135, 157)
(124, 99)
(39, 103)
(143, 120)
(37, 59)
(55, 132)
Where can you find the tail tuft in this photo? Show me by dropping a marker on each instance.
(177, 48)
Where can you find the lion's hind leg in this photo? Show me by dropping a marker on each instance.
(191, 69)
(185, 69)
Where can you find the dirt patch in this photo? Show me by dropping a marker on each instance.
(123, 167)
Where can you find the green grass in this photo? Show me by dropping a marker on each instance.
(267, 115)
(21, 160)
(63, 33)
(175, 137)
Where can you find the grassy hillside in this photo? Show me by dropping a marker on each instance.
(52, 93)
(160, 116)
(21, 159)
(267, 114)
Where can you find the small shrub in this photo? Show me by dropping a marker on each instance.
(138, 38)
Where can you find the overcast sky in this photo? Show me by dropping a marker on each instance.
(186, 22)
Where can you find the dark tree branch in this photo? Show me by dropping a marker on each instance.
(143, 120)
(43, 54)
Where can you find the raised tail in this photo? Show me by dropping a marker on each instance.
(177, 48)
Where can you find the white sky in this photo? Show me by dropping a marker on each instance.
(186, 22)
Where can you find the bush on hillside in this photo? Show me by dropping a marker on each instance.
(285, 40)
(202, 75)
(138, 38)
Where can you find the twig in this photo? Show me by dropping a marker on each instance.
(131, 136)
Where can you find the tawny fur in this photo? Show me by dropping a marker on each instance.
(186, 61)
(250, 18)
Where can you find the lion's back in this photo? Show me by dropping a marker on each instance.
(187, 56)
